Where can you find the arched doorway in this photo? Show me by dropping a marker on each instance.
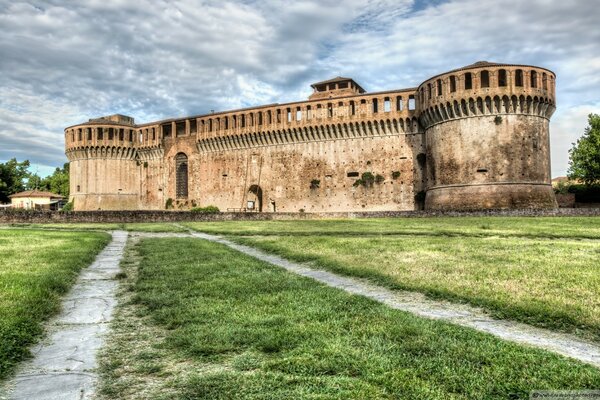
(255, 195)
(181, 176)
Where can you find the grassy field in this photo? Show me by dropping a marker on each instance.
(132, 227)
(198, 320)
(36, 268)
(544, 271)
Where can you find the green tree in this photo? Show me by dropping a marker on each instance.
(584, 163)
(58, 182)
(13, 175)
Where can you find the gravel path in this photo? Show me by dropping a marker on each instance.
(63, 366)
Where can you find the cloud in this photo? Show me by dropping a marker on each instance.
(61, 63)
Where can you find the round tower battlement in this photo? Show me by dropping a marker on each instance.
(486, 134)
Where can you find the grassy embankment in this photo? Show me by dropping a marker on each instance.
(36, 269)
(198, 320)
(543, 271)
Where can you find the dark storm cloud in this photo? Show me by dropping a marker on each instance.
(63, 62)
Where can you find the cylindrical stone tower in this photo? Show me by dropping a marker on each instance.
(104, 172)
(487, 137)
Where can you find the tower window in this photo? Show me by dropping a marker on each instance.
(468, 81)
(519, 77)
(502, 81)
(485, 79)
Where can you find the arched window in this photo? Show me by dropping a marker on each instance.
(534, 79)
(452, 84)
(468, 81)
(439, 87)
(519, 77)
(545, 81)
(429, 90)
(502, 81)
(485, 79)
(181, 176)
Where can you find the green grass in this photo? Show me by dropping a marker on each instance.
(36, 268)
(240, 328)
(534, 227)
(132, 227)
(543, 271)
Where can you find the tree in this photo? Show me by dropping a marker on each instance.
(584, 163)
(12, 178)
(58, 182)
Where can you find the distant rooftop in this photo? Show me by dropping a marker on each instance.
(36, 193)
(119, 118)
(335, 87)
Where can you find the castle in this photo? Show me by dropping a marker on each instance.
(476, 137)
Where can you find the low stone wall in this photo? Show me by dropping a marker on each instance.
(8, 216)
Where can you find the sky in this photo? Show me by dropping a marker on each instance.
(63, 62)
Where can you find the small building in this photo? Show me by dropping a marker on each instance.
(36, 199)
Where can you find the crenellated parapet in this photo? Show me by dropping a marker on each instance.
(487, 89)
(312, 133)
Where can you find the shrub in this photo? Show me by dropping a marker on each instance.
(206, 210)
(68, 207)
(315, 183)
(395, 174)
(585, 193)
(379, 179)
(169, 203)
(368, 178)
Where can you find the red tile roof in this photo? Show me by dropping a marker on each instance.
(36, 193)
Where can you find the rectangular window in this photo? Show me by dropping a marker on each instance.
(329, 110)
(100, 133)
(298, 114)
(278, 116)
(375, 106)
(289, 115)
(411, 102)
(352, 108)
(180, 129)
(387, 105)
(308, 112)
